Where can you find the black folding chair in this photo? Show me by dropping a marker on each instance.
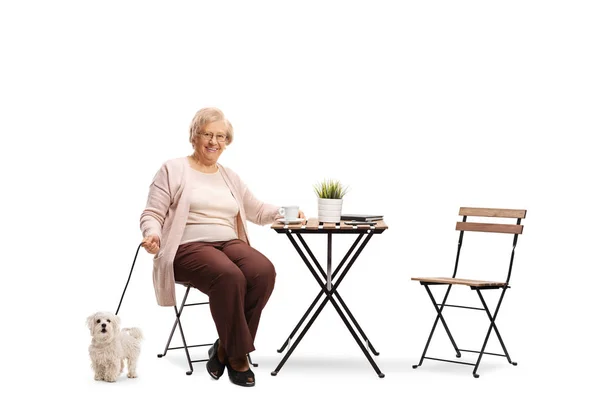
(477, 285)
(177, 321)
(185, 346)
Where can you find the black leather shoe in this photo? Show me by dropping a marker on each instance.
(213, 365)
(245, 378)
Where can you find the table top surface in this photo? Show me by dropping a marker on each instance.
(313, 225)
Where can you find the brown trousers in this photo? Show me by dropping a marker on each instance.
(238, 281)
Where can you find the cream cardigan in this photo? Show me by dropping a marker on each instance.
(167, 210)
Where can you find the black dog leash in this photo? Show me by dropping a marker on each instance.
(124, 290)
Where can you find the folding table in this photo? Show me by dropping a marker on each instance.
(327, 278)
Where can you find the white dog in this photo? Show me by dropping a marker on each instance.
(111, 347)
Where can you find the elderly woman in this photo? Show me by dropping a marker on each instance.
(195, 224)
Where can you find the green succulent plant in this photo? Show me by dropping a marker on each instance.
(330, 189)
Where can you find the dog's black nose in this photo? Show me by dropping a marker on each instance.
(104, 325)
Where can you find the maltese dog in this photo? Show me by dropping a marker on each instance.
(111, 347)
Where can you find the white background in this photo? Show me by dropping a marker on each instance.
(420, 107)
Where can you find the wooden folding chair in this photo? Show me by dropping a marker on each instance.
(475, 284)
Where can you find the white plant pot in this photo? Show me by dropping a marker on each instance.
(330, 210)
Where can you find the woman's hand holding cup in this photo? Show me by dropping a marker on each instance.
(290, 213)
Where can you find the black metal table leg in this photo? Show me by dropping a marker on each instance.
(355, 336)
(306, 314)
(339, 267)
(297, 341)
(330, 290)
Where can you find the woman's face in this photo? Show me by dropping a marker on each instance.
(211, 142)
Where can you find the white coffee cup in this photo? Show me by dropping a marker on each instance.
(289, 213)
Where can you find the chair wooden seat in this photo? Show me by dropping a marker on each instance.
(459, 281)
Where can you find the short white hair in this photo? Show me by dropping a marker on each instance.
(204, 117)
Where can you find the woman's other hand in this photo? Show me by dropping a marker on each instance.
(301, 215)
(151, 244)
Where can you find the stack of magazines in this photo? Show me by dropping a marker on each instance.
(362, 217)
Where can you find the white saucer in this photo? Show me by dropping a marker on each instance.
(290, 221)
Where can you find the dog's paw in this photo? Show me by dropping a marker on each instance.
(97, 378)
(131, 375)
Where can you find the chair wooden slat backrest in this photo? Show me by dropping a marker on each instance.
(483, 227)
(492, 212)
(489, 213)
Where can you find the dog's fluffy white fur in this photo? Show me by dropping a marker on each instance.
(111, 347)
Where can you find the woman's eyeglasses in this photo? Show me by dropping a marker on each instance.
(209, 135)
